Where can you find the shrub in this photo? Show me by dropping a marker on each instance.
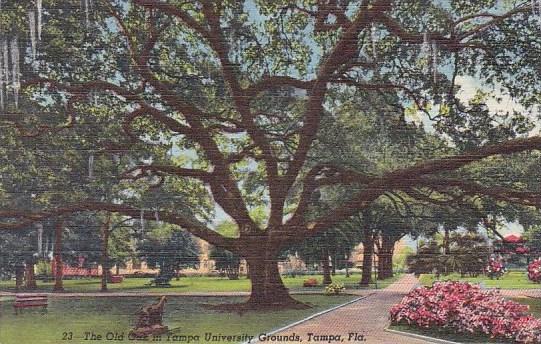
(495, 268)
(311, 282)
(466, 255)
(534, 271)
(43, 268)
(465, 308)
(334, 288)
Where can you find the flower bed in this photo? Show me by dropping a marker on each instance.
(311, 282)
(465, 308)
(334, 289)
(534, 271)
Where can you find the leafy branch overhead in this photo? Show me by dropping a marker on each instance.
(229, 101)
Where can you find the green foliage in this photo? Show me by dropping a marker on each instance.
(15, 249)
(226, 261)
(399, 261)
(43, 268)
(426, 260)
(533, 239)
(169, 249)
(468, 255)
(121, 246)
(191, 93)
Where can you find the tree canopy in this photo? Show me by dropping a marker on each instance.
(243, 90)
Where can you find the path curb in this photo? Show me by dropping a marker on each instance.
(420, 336)
(270, 333)
(427, 338)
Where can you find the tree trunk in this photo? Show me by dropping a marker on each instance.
(268, 290)
(57, 256)
(19, 276)
(368, 252)
(385, 257)
(30, 276)
(446, 242)
(334, 264)
(105, 231)
(445, 250)
(347, 266)
(326, 269)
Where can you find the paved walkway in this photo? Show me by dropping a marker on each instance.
(367, 317)
(536, 293)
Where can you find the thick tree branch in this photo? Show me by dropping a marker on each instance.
(404, 176)
(470, 188)
(143, 171)
(345, 49)
(277, 82)
(23, 219)
(231, 200)
(405, 179)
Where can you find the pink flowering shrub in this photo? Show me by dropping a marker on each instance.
(466, 308)
(495, 268)
(534, 271)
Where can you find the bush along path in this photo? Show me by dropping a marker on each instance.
(363, 321)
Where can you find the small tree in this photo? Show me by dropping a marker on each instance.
(169, 249)
(426, 260)
(226, 262)
(533, 239)
(467, 253)
(470, 252)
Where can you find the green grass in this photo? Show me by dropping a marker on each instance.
(183, 315)
(511, 280)
(534, 305)
(191, 284)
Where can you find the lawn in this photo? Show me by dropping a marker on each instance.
(191, 284)
(511, 280)
(533, 303)
(183, 315)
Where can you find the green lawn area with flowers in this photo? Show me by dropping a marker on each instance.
(509, 280)
(195, 284)
(465, 313)
(534, 307)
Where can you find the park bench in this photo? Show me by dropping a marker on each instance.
(29, 301)
(117, 279)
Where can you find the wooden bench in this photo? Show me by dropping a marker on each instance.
(117, 279)
(30, 301)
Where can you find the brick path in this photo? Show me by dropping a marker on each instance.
(521, 293)
(368, 317)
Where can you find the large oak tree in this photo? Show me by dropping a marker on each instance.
(244, 88)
